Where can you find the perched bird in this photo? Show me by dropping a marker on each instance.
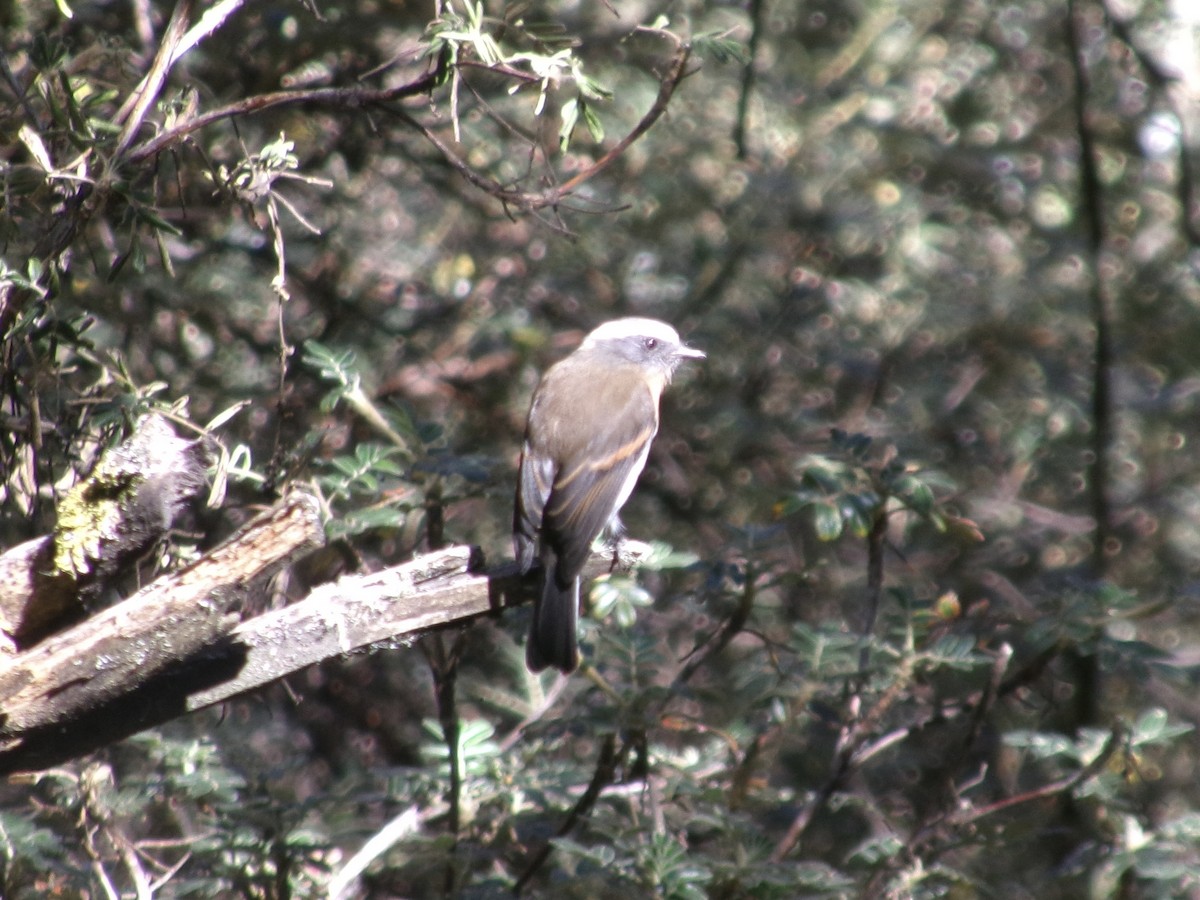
(589, 430)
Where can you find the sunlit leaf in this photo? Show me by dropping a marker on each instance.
(827, 520)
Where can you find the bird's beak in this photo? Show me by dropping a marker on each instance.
(683, 351)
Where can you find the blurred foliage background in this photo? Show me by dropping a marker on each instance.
(943, 257)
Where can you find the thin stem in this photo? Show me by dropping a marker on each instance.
(1091, 197)
(749, 74)
(607, 763)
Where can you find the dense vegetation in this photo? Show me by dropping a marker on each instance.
(943, 257)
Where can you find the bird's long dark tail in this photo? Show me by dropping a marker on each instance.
(552, 637)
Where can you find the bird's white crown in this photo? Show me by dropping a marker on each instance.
(631, 327)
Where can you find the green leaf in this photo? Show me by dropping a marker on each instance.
(823, 474)
(1041, 744)
(225, 415)
(332, 365)
(589, 87)
(828, 652)
(618, 596)
(570, 118)
(827, 520)
(1154, 727)
(722, 48)
(957, 651)
(663, 556)
(602, 855)
(152, 218)
(852, 443)
(21, 839)
(858, 513)
(364, 521)
(874, 851)
(593, 123)
(915, 494)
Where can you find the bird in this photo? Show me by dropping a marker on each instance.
(591, 421)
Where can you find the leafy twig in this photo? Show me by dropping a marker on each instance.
(529, 201)
(852, 751)
(349, 97)
(964, 817)
(607, 763)
(732, 627)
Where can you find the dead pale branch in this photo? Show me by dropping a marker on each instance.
(177, 645)
(105, 523)
(121, 650)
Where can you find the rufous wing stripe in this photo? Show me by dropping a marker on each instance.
(609, 462)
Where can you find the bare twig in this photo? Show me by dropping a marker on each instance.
(1091, 196)
(1118, 735)
(133, 112)
(547, 702)
(19, 92)
(852, 750)
(607, 763)
(529, 201)
(210, 20)
(1103, 413)
(675, 75)
(732, 627)
(990, 694)
(875, 547)
(96, 819)
(349, 97)
(402, 826)
(443, 665)
(749, 73)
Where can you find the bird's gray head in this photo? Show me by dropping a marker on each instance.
(648, 342)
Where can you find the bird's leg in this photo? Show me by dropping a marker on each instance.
(614, 536)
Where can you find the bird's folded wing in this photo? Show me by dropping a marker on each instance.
(533, 490)
(595, 479)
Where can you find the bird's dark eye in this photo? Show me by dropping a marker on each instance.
(650, 343)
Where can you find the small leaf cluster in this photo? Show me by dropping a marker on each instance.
(385, 484)
(468, 34)
(204, 832)
(850, 489)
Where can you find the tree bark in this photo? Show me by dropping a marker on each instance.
(178, 645)
(106, 522)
